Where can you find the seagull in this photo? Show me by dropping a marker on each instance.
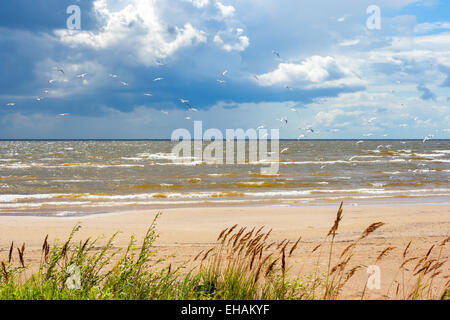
(276, 53)
(45, 91)
(60, 70)
(284, 150)
(256, 77)
(183, 100)
(264, 135)
(292, 109)
(38, 98)
(221, 81)
(300, 136)
(309, 129)
(51, 81)
(289, 88)
(187, 118)
(164, 112)
(429, 137)
(158, 79)
(283, 120)
(64, 114)
(191, 108)
(260, 127)
(81, 75)
(124, 83)
(403, 125)
(368, 134)
(224, 73)
(148, 94)
(113, 75)
(11, 104)
(360, 141)
(159, 63)
(371, 120)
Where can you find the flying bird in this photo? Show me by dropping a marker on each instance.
(183, 100)
(284, 150)
(51, 81)
(309, 129)
(429, 137)
(191, 108)
(164, 112)
(11, 104)
(64, 114)
(223, 73)
(38, 98)
(81, 75)
(187, 118)
(124, 83)
(158, 79)
(283, 120)
(276, 53)
(60, 70)
(113, 75)
(148, 94)
(221, 81)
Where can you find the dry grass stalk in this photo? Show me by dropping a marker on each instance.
(270, 267)
(294, 246)
(370, 229)
(10, 252)
(21, 255)
(384, 253)
(5, 272)
(336, 221)
(405, 252)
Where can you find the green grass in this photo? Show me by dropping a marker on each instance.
(243, 265)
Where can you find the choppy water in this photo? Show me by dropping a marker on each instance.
(69, 177)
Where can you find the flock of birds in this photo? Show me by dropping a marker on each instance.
(190, 108)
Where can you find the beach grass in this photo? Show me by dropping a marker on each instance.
(243, 264)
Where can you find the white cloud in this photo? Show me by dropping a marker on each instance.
(226, 11)
(316, 71)
(199, 3)
(232, 39)
(349, 43)
(428, 27)
(135, 27)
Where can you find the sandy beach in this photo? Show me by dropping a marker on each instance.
(183, 232)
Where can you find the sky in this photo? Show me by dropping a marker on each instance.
(319, 65)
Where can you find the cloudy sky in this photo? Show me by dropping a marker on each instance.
(315, 63)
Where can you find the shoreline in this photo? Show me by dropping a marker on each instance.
(71, 212)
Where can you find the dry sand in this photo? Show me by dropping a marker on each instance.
(184, 232)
